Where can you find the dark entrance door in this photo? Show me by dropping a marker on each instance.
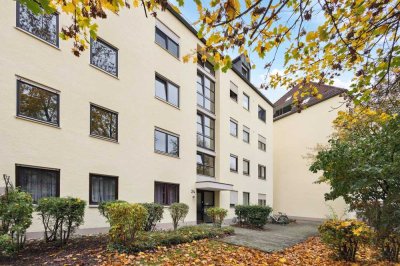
(205, 200)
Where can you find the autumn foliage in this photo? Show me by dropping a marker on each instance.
(345, 237)
(126, 221)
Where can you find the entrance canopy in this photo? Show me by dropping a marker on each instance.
(213, 186)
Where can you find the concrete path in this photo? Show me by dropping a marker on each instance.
(275, 237)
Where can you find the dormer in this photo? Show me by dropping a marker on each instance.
(242, 66)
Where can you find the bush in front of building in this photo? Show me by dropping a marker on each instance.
(253, 215)
(16, 208)
(7, 246)
(102, 207)
(126, 220)
(154, 239)
(155, 214)
(217, 215)
(344, 237)
(178, 213)
(60, 217)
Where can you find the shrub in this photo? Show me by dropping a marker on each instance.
(104, 204)
(390, 247)
(152, 240)
(155, 214)
(126, 220)
(7, 247)
(16, 208)
(60, 217)
(217, 215)
(178, 213)
(344, 237)
(253, 215)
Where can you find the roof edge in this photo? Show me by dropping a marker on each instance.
(308, 106)
(194, 31)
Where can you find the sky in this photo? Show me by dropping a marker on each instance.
(189, 12)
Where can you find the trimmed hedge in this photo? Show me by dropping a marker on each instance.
(60, 217)
(155, 214)
(178, 213)
(103, 206)
(253, 215)
(152, 240)
(217, 215)
(126, 221)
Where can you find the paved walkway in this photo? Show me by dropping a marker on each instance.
(275, 237)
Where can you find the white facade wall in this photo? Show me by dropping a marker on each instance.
(295, 139)
(70, 147)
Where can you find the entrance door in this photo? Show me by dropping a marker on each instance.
(205, 200)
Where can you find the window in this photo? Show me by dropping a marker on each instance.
(245, 72)
(262, 143)
(205, 92)
(262, 199)
(167, 91)
(234, 163)
(233, 92)
(246, 101)
(167, 39)
(246, 134)
(38, 182)
(205, 164)
(246, 198)
(166, 193)
(37, 103)
(43, 26)
(166, 143)
(205, 131)
(104, 56)
(285, 109)
(246, 167)
(261, 113)
(207, 66)
(261, 172)
(102, 188)
(233, 96)
(103, 122)
(233, 128)
(234, 199)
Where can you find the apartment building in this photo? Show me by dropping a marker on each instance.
(128, 119)
(296, 136)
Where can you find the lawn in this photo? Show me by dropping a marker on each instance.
(92, 250)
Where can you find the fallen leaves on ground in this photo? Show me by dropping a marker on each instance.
(211, 252)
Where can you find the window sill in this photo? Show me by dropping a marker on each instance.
(37, 121)
(102, 70)
(177, 58)
(262, 179)
(166, 102)
(38, 38)
(104, 138)
(167, 154)
(206, 112)
(234, 136)
(92, 206)
(246, 174)
(233, 171)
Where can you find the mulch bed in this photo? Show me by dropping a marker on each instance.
(92, 250)
(81, 250)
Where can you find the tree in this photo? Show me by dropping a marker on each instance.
(362, 165)
(321, 39)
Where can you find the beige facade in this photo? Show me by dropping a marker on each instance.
(295, 138)
(75, 153)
